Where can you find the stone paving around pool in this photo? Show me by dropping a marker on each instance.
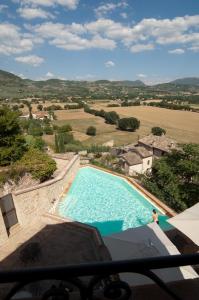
(62, 242)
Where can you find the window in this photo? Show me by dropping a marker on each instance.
(148, 162)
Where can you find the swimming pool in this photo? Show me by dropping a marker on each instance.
(107, 202)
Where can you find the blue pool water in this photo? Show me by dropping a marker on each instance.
(107, 202)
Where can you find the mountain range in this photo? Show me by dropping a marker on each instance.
(13, 86)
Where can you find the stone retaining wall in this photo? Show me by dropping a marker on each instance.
(32, 202)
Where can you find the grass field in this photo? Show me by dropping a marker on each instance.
(180, 125)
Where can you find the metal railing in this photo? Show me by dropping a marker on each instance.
(87, 279)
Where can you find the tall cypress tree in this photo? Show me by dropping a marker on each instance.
(56, 144)
(61, 143)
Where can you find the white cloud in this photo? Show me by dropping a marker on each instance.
(32, 60)
(50, 75)
(142, 47)
(12, 40)
(22, 76)
(103, 9)
(63, 36)
(194, 48)
(33, 13)
(124, 15)
(70, 4)
(176, 51)
(105, 33)
(141, 75)
(109, 64)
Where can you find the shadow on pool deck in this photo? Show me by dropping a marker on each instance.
(108, 227)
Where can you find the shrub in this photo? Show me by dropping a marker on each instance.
(48, 130)
(35, 142)
(130, 103)
(35, 128)
(158, 131)
(64, 128)
(129, 124)
(91, 130)
(111, 117)
(53, 107)
(97, 148)
(113, 105)
(38, 164)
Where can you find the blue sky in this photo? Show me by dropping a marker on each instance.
(152, 40)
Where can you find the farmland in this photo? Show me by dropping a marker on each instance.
(180, 125)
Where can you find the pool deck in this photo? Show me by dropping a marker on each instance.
(168, 211)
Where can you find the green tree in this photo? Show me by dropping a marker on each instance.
(39, 143)
(56, 143)
(48, 130)
(111, 117)
(158, 131)
(35, 128)
(130, 124)
(38, 164)
(175, 178)
(64, 128)
(35, 142)
(61, 143)
(40, 107)
(28, 104)
(15, 107)
(91, 130)
(12, 143)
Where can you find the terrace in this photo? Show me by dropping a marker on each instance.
(72, 260)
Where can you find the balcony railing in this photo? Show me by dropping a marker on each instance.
(88, 279)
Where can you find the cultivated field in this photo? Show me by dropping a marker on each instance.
(180, 125)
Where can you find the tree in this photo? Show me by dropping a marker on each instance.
(28, 104)
(111, 117)
(40, 107)
(35, 128)
(52, 115)
(48, 130)
(56, 143)
(35, 142)
(91, 130)
(130, 124)
(175, 178)
(64, 128)
(61, 143)
(158, 131)
(12, 143)
(38, 164)
(15, 107)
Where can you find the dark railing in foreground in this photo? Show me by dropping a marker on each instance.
(100, 277)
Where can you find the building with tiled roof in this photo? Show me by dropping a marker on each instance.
(159, 145)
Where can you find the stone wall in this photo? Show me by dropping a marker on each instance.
(32, 202)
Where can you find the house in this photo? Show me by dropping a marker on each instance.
(136, 160)
(26, 117)
(42, 116)
(38, 116)
(159, 145)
